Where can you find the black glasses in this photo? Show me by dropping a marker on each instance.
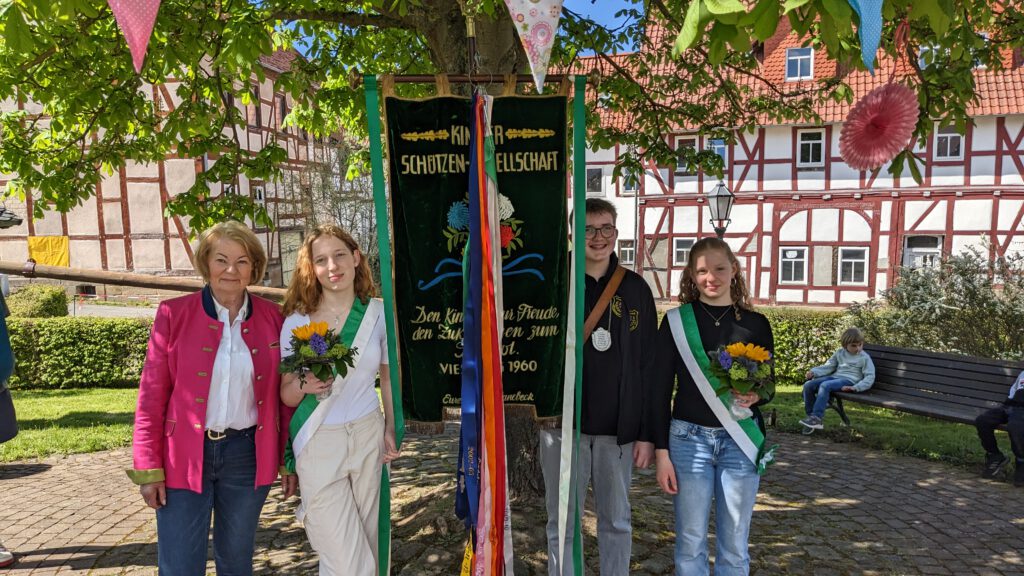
(606, 231)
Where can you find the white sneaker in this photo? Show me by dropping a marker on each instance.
(6, 556)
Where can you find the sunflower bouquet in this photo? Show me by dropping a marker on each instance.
(745, 368)
(317, 349)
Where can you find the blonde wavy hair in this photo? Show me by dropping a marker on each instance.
(304, 291)
(688, 291)
(236, 232)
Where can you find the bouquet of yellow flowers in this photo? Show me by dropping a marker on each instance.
(745, 368)
(317, 349)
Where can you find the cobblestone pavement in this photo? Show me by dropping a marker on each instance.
(825, 509)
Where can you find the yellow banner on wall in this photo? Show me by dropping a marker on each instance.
(49, 250)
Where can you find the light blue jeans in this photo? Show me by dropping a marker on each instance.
(818, 391)
(709, 464)
(230, 495)
(607, 467)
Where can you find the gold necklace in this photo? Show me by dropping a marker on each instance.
(718, 319)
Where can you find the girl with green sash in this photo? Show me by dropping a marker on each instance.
(703, 452)
(339, 438)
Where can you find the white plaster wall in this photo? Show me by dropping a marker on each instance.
(180, 175)
(783, 295)
(935, 220)
(84, 254)
(82, 220)
(1008, 210)
(963, 242)
(811, 180)
(652, 215)
(983, 170)
(851, 296)
(145, 211)
(687, 218)
(886, 221)
(134, 169)
(947, 175)
(115, 255)
(48, 225)
(744, 217)
(777, 177)
(676, 277)
(179, 258)
(821, 296)
(767, 254)
(148, 255)
(881, 282)
(855, 227)
(767, 210)
(825, 225)
(795, 229)
(883, 252)
(14, 250)
(972, 214)
(764, 285)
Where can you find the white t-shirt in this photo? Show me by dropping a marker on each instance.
(358, 398)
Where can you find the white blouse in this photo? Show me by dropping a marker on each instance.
(232, 399)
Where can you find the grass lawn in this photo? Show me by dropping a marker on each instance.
(883, 429)
(76, 421)
(70, 421)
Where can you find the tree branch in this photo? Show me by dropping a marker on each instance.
(351, 19)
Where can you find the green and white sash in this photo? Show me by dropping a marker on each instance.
(744, 432)
(310, 413)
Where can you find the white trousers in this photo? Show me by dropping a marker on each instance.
(339, 478)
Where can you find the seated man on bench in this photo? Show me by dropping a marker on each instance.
(1011, 413)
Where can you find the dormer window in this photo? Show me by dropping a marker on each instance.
(799, 64)
(948, 144)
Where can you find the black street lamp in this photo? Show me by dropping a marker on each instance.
(720, 201)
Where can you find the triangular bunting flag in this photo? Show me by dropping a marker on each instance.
(536, 21)
(136, 19)
(869, 30)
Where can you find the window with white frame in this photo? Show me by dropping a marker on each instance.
(595, 181)
(630, 182)
(922, 251)
(627, 251)
(799, 63)
(681, 250)
(948, 144)
(977, 61)
(718, 146)
(853, 266)
(793, 269)
(810, 149)
(926, 56)
(682, 143)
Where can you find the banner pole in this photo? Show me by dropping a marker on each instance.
(388, 292)
(579, 165)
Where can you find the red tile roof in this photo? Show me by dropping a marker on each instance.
(999, 92)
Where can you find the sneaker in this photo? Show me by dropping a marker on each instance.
(6, 556)
(1018, 474)
(994, 464)
(813, 422)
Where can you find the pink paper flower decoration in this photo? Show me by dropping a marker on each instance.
(878, 127)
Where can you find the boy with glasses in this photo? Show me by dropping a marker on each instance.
(617, 361)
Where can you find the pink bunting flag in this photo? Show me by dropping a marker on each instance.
(136, 19)
(536, 21)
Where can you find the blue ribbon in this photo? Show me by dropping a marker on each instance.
(467, 497)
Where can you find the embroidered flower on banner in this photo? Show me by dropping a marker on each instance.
(457, 230)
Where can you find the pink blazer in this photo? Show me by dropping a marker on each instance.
(171, 414)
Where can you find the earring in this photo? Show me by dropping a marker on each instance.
(733, 283)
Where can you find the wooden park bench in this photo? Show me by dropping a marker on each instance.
(944, 386)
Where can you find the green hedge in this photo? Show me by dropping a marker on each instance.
(803, 338)
(53, 353)
(38, 301)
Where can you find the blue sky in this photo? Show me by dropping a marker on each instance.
(601, 11)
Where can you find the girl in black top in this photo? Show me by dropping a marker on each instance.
(698, 459)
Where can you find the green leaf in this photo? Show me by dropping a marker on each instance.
(839, 9)
(17, 34)
(915, 170)
(690, 31)
(767, 19)
(791, 5)
(724, 6)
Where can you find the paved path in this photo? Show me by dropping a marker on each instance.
(824, 509)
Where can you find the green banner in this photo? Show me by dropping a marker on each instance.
(428, 146)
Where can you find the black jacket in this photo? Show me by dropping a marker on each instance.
(616, 382)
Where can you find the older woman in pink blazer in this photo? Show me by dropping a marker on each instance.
(209, 419)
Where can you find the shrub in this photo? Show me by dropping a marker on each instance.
(39, 301)
(78, 352)
(965, 305)
(803, 338)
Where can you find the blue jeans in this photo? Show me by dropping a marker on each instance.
(230, 494)
(709, 464)
(818, 391)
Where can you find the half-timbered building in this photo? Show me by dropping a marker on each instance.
(123, 227)
(808, 228)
